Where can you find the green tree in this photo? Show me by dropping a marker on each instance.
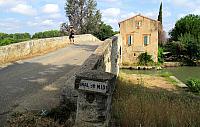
(160, 14)
(187, 34)
(83, 15)
(6, 39)
(105, 31)
(188, 24)
(191, 47)
(48, 34)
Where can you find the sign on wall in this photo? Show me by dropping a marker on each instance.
(100, 87)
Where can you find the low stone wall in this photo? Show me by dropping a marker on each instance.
(172, 64)
(95, 83)
(31, 48)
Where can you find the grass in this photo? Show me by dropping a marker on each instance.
(136, 105)
(167, 75)
(163, 74)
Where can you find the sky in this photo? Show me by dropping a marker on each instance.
(40, 15)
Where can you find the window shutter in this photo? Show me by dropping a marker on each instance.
(129, 40)
(146, 40)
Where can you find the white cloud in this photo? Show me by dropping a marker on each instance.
(186, 3)
(55, 16)
(110, 20)
(51, 8)
(195, 12)
(10, 25)
(39, 22)
(127, 15)
(47, 22)
(24, 9)
(6, 2)
(111, 12)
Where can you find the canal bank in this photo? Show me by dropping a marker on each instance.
(183, 73)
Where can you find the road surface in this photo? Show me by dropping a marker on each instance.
(35, 83)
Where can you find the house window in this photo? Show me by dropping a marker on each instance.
(130, 40)
(146, 40)
(138, 24)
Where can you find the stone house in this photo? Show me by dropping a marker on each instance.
(139, 34)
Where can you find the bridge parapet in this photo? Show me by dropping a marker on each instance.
(18, 51)
(95, 83)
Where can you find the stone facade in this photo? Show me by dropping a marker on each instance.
(139, 34)
(31, 48)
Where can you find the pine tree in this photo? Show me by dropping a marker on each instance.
(160, 14)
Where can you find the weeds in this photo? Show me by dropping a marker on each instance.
(136, 105)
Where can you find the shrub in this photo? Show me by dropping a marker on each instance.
(160, 55)
(145, 59)
(194, 85)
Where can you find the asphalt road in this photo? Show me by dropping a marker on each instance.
(35, 83)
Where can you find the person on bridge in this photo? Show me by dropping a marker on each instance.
(71, 34)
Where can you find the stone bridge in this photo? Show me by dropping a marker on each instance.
(36, 75)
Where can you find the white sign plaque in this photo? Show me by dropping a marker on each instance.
(100, 87)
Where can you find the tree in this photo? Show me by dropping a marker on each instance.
(64, 28)
(105, 31)
(83, 15)
(160, 14)
(47, 34)
(187, 33)
(192, 47)
(188, 24)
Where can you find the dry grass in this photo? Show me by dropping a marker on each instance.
(139, 105)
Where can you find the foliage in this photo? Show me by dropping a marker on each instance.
(188, 24)
(64, 28)
(194, 85)
(160, 55)
(83, 15)
(185, 39)
(105, 31)
(48, 34)
(176, 48)
(138, 105)
(6, 39)
(145, 59)
(191, 46)
(160, 14)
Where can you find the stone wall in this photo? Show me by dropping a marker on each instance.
(172, 64)
(95, 83)
(31, 48)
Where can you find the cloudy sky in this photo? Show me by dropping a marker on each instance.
(40, 15)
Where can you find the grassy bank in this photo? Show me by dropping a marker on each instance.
(135, 103)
